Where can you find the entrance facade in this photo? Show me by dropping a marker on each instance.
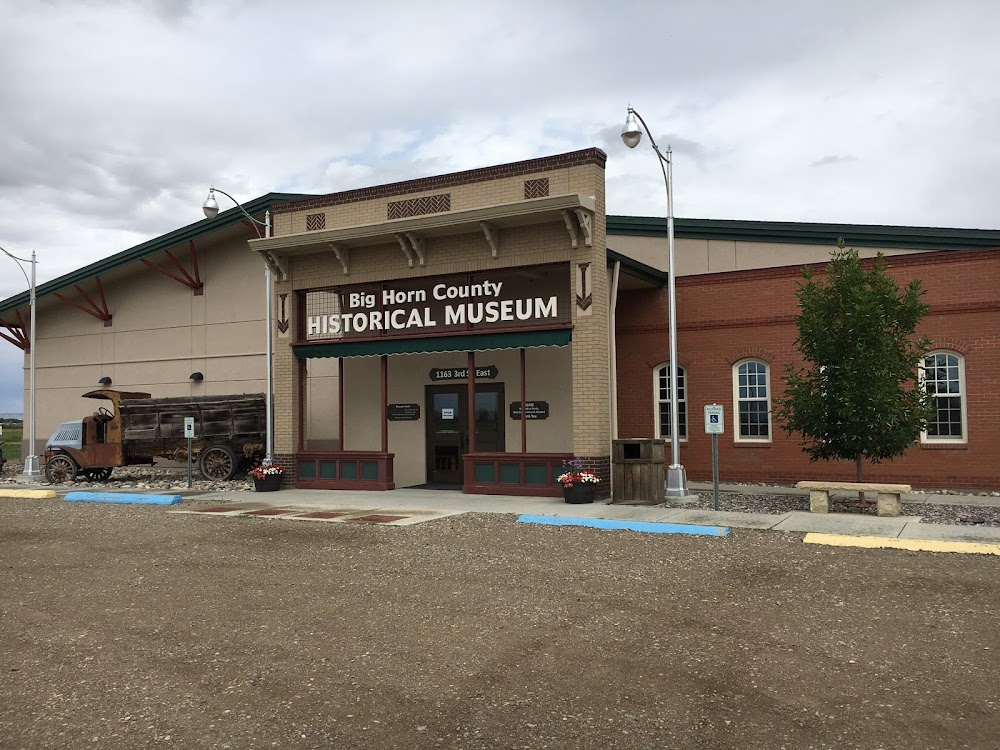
(438, 308)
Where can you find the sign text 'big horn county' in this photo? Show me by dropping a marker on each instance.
(465, 303)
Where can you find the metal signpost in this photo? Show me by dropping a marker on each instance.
(189, 434)
(714, 426)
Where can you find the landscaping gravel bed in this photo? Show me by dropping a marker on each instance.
(135, 628)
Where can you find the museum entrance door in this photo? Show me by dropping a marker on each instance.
(448, 427)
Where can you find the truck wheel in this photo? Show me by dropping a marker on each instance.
(61, 469)
(98, 475)
(218, 462)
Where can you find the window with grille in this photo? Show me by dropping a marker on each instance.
(661, 411)
(944, 379)
(752, 401)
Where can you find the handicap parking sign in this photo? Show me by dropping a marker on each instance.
(713, 419)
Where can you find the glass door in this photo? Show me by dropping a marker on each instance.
(447, 432)
(448, 427)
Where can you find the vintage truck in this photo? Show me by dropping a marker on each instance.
(135, 428)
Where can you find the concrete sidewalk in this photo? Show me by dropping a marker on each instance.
(451, 502)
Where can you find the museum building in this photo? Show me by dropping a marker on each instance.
(478, 329)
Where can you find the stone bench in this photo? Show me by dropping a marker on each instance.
(887, 495)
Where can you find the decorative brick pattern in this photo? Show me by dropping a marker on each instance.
(429, 204)
(486, 174)
(315, 222)
(536, 188)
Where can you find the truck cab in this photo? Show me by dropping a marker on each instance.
(91, 446)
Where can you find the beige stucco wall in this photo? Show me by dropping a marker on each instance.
(161, 333)
(696, 257)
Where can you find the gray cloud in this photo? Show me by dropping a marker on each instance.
(121, 113)
(833, 159)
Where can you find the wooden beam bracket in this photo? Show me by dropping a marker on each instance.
(88, 305)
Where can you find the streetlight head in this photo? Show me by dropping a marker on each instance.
(631, 135)
(211, 206)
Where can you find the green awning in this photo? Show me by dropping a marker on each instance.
(466, 342)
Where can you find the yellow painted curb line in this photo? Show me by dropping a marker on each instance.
(914, 545)
(37, 494)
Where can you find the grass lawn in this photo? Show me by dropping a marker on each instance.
(12, 441)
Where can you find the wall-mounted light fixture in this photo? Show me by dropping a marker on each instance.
(197, 376)
(105, 381)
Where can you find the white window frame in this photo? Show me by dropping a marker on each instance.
(737, 436)
(928, 439)
(683, 424)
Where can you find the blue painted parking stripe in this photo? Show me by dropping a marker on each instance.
(122, 497)
(644, 526)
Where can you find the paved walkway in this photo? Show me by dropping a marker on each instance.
(426, 504)
(446, 502)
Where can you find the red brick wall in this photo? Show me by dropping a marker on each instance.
(726, 317)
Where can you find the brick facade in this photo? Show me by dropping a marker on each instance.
(725, 317)
(531, 244)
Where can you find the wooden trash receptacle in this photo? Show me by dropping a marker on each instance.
(638, 471)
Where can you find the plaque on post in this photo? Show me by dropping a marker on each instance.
(535, 410)
(403, 412)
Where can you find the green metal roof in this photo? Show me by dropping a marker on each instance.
(860, 235)
(638, 269)
(150, 248)
(805, 233)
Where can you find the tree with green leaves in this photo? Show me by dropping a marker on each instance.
(858, 397)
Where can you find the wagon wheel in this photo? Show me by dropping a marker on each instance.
(98, 475)
(218, 462)
(61, 469)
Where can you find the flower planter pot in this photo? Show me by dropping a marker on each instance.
(579, 493)
(270, 483)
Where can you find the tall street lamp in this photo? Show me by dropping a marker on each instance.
(211, 209)
(31, 469)
(631, 135)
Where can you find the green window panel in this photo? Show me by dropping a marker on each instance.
(328, 469)
(369, 471)
(348, 469)
(536, 474)
(485, 474)
(510, 473)
(307, 470)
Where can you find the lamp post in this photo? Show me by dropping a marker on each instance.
(211, 209)
(31, 469)
(631, 135)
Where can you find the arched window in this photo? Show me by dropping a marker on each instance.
(751, 401)
(661, 401)
(944, 379)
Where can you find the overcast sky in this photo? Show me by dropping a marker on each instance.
(117, 116)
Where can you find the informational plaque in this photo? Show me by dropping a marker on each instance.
(535, 410)
(403, 412)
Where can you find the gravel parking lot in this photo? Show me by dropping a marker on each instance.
(130, 627)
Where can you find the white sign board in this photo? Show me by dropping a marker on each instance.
(713, 419)
(189, 427)
(447, 414)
